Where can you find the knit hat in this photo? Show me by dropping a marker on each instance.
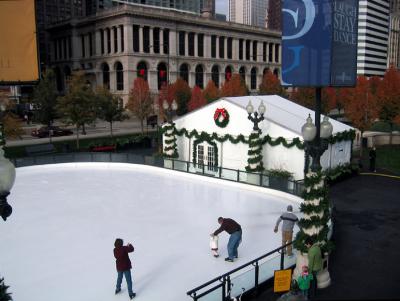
(290, 208)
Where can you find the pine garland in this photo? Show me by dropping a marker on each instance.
(343, 136)
(4, 295)
(170, 148)
(316, 213)
(254, 161)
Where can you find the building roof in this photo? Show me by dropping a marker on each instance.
(284, 112)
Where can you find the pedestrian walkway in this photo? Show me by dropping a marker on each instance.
(100, 129)
(365, 264)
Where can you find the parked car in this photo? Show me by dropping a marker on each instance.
(56, 131)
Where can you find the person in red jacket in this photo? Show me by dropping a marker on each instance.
(124, 265)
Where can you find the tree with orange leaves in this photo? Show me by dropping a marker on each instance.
(182, 95)
(360, 105)
(211, 92)
(197, 100)
(388, 93)
(271, 85)
(234, 87)
(334, 98)
(305, 97)
(140, 101)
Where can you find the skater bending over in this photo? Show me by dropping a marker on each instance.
(235, 231)
(124, 265)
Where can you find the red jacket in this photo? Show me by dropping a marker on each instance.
(122, 258)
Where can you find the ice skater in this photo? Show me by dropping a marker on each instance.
(289, 219)
(124, 265)
(235, 231)
(214, 245)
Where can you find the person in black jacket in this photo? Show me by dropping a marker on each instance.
(124, 265)
(235, 231)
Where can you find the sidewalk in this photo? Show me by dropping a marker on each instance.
(101, 129)
(365, 263)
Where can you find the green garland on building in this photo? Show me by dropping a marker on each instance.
(170, 141)
(343, 136)
(255, 153)
(316, 204)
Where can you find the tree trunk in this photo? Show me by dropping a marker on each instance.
(391, 133)
(361, 145)
(111, 129)
(83, 129)
(142, 126)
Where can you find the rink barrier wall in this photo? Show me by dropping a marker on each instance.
(238, 176)
(247, 278)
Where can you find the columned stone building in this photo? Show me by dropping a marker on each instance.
(119, 44)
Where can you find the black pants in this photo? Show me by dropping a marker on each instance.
(313, 286)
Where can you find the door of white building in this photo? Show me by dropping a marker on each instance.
(206, 158)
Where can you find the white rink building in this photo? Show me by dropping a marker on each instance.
(200, 139)
(121, 43)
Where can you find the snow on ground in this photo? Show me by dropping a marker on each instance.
(58, 243)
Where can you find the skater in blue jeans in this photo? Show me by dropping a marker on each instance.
(124, 265)
(235, 231)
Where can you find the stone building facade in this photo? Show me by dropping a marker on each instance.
(119, 44)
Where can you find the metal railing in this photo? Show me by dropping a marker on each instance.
(244, 278)
(236, 175)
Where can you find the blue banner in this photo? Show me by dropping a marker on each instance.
(319, 42)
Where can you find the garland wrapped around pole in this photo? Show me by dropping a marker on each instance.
(254, 161)
(316, 212)
(170, 148)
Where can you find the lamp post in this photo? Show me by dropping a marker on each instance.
(316, 218)
(254, 161)
(7, 173)
(170, 109)
(254, 115)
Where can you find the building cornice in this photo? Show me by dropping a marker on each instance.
(169, 18)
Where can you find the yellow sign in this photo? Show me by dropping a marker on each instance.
(282, 280)
(18, 50)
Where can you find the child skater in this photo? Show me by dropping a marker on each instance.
(304, 281)
(214, 245)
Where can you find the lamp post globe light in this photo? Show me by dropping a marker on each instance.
(316, 218)
(170, 146)
(254, 161)
(7, 173)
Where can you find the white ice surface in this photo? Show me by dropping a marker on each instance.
(58, 243)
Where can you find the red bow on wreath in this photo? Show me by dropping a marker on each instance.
(219, 111)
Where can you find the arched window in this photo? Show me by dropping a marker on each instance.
(276, 72)
(142, 70)
(119, 76)
(253, 81)
(228, 73)
(215, 75)
(199, 76)
(162, 75)
(265, 71)
(184, 72)
(242, 73)
(106, 75)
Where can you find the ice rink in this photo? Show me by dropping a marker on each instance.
(58, 243)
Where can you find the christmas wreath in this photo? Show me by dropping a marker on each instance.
(221, 117)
